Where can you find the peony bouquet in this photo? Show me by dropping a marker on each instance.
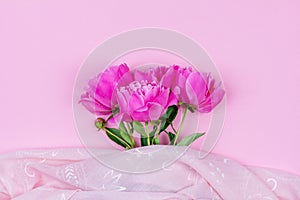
(134, 108)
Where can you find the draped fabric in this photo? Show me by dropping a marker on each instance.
(75, 174)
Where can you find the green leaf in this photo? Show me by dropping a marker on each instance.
(124, 134)
(163, 125)
(122, 127)
(156, 141)
(129, 127)
(152, 133)
(171, 137)
(138, 127)
(168, 117)
(189, 139)
(144, 141)
(155, 122)
(115, 135)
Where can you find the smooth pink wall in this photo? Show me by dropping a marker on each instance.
(255, 44)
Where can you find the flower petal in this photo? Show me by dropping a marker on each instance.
(196, 88)
(95, 107)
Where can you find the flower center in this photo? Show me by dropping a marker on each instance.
(141, 87)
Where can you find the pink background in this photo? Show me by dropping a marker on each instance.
(255, 44)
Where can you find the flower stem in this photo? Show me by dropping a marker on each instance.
(147, 133)
(156, 136)
(172, 126)
(180, 126)
(130, 130)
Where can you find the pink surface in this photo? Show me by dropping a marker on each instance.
(255, 45)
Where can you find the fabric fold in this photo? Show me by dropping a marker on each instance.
(75, 174)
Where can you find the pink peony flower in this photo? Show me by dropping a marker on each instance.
(203, 92)
(199, 90)
(100, 97)
(144, 101)
(175, 78)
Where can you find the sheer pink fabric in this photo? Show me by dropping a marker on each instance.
(74, 174)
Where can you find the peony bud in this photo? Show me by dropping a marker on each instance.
(100, 123)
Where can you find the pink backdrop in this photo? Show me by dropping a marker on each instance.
(255, 45)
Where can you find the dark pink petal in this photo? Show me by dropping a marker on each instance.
(150, 74)
(213, 100)
(123, 100)
(172, 100)
(117, 119)
(196, 88)
(152, 94)
(101, 91)
(95, 108)
(136, 102)
(107, 82)
(140, 116)
(140, 75)
(169, 80)
(175, 79)
(155, 110)
(162, 97)
(213, 96)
